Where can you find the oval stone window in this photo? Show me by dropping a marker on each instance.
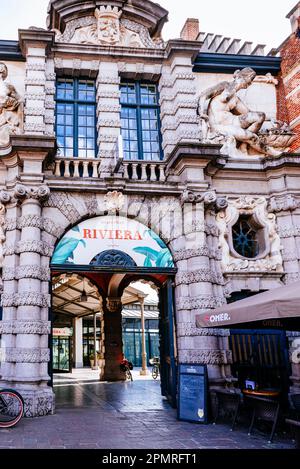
(246, 236)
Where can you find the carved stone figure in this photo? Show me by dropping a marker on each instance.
(226, 119)
(10, 108)
(107, 28)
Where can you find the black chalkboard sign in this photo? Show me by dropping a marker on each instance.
(192, 395)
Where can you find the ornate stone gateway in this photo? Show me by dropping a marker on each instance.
(111, 251)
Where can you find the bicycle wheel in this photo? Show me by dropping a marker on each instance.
(129, 375)
(11, 408)
(155, 372)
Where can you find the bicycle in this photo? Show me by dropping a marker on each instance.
(11, 408)
(155, 367)
(126, 367)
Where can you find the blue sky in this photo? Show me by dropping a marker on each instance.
(260, 21)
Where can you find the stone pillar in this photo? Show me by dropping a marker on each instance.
(113, 340)
(178, 102)
(294, 356)
(108, 111)
(198, 289)
(25, 326)
(78, 343)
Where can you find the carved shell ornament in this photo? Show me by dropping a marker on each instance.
(107, 27)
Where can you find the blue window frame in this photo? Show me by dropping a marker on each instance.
(76, 118)
(140, 121)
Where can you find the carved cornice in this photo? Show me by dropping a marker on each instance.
(25, 327)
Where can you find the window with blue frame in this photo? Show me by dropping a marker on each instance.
(140, 121)
(76, 118)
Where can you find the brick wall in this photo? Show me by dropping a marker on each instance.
(288, 91)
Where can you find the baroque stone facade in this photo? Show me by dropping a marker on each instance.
(220, 161)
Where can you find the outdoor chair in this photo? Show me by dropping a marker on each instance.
(295, 427)
(295, 406)
(264, 409)
(228, 403)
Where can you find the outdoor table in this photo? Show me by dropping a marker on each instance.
(262, 393)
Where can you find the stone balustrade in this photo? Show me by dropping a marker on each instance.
(89, 168)
(77, 167)
(144, 171)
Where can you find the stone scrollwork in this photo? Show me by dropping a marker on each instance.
(209, 199)
(23, 355)
(107, 27)
(11, 118)
(226, 118)
(4, 199)
(40, 193)
(207, 357)
(269, 258)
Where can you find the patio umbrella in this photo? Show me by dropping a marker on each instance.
(280, 304)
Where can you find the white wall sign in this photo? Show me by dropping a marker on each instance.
(83, 242)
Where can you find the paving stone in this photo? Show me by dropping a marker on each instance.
(108, 416)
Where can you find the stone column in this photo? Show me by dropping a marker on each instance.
(113, 340)
(78, 343)
(108, 111)
(25, 324)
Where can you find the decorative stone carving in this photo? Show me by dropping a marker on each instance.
(11, 118)
(226, 119)
(201, 302)
(23, 355)
(286, 203)
(270, 260)
(26, 299)
(61, 201)
(205, 251)
(206, 357)
(114, 200)
(189, 329)
(107, 28)
(25, 327)
(114, 305)
(40, 193)
(201, 275)
(26, 271)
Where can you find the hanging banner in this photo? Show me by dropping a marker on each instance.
(112, 235)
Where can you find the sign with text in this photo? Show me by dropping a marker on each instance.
(88, 239)
(192, 398)
(62, 332)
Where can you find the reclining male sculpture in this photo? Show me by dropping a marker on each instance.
(10, 108)
(226, 119)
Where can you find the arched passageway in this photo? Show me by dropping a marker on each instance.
(95, 270)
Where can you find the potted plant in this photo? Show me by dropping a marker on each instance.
(92, 360)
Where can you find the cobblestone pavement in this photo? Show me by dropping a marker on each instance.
(128, 415)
